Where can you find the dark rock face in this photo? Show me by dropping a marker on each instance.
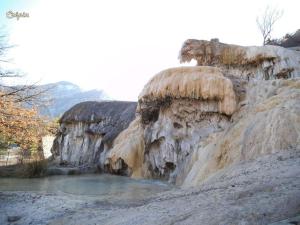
(88, 129)
(289, 41)
(110, 117)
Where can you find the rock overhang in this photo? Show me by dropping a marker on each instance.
(202, 83)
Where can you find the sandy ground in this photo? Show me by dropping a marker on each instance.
(263, 191)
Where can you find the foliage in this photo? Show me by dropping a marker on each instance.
(20, 125)
(288, 40)
(36, 168)
(20, 122)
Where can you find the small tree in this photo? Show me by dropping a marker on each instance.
(20, 122)
(266, 21)
(20, 125)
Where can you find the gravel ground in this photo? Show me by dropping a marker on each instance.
(262, 191)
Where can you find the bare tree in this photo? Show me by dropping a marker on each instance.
(266, 21)
(29, 94)
(20, 122)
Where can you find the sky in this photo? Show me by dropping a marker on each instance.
(118, 45)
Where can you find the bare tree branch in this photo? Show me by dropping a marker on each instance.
(28, 94)
(266, 22)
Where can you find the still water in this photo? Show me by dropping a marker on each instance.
(87, 185)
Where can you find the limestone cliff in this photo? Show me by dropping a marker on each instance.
(88, 129)
(194, 121)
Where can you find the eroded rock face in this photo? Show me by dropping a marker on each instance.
(206, 84)
(177, 109)
(88, 129)
(171, 140)
(265, 62)
(194, 102)
(268, 123)
(186, 137)
(127, 154)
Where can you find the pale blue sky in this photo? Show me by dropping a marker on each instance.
(118, 45)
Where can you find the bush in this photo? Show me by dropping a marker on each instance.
(37, 168)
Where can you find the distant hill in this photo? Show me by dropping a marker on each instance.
(62, 95)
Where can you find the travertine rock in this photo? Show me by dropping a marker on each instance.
(177, 109)
(201, 83)
(195, 121)
(232, 133)
(188, 139)
(126, 157)
(269, 122)
(88, 129)
(264, 62)
(171, 140)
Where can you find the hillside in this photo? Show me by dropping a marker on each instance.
(62, 95)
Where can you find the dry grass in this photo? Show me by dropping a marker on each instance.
(34, 168)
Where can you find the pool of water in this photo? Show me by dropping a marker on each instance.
(87, 185)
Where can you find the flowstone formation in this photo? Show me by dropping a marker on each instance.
(88, 129)
(238, 104)
(268, 122)
(187, 105)
(229, 128)
(195, 121)
(177, 109)
(260, 63)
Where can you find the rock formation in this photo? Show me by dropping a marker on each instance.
(177, 108)
(127, 155)
(227, 131)
(88, 129)
(194, 121)
(206, 84)
(265, 62)
(267, 123)
(238, 104)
